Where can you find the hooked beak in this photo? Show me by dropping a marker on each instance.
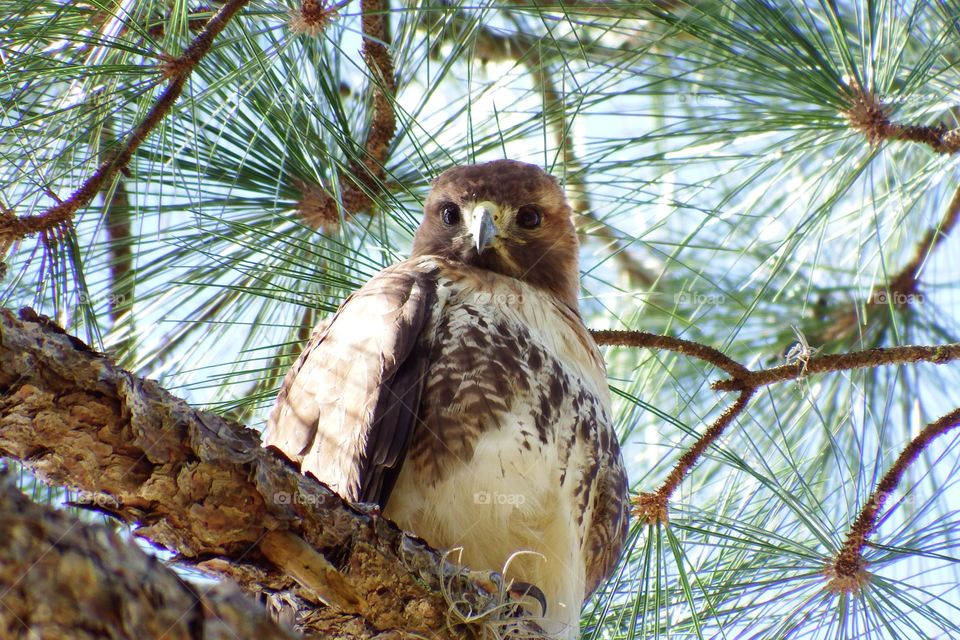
(482, 227)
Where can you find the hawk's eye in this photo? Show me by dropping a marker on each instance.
(450, 214)
(528, 216)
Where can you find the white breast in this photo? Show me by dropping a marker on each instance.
(508, 497)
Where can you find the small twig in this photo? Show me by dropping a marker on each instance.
(871, 117)
(847, 573)
(840, 362)
(905, 282)
(318, 207)
(179, 70)
(691, 455)
(644, 340)
(652, 507)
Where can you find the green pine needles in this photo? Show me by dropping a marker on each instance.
(767, 196)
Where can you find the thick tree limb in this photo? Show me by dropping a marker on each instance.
(61, 578)
(202, 486)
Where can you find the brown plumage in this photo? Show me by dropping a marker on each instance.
(460, 391)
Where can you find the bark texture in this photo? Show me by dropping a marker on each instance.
(61, 578)
(203, 487)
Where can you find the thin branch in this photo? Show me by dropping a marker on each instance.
(376, 36)
(847, 573)
(178, 70)
(117, 204)
(363, 177)
(905, 283)
(903, 288)
(556, 110)
(841, 362)
(871, 117)
(644, 340)
(652, 507)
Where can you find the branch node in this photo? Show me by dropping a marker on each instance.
(847, 574)
(650, 508)
(316, 207)
(313, 17)
(868, 115)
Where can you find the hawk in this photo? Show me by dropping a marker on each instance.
(460, 391)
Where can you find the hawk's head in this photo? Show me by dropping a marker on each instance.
(506, 216)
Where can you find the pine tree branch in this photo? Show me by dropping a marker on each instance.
(908, 354)
(651, 507)
(903, 288)
(868, 115)
(178, 70)
(905, 283)
(848, 571)
(93, 584)
(644, 340)
(198, 484)
(364, 177)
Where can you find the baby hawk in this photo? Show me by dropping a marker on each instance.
(461, 392)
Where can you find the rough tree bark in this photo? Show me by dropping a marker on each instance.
(60, 578)
(203, 487)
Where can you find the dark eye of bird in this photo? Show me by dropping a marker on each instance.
(528, 217)
(450, 214)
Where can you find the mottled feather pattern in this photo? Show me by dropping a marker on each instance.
(461, 392)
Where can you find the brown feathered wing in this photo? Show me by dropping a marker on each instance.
(347, 409)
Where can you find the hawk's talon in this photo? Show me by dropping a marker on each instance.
(521, 590)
